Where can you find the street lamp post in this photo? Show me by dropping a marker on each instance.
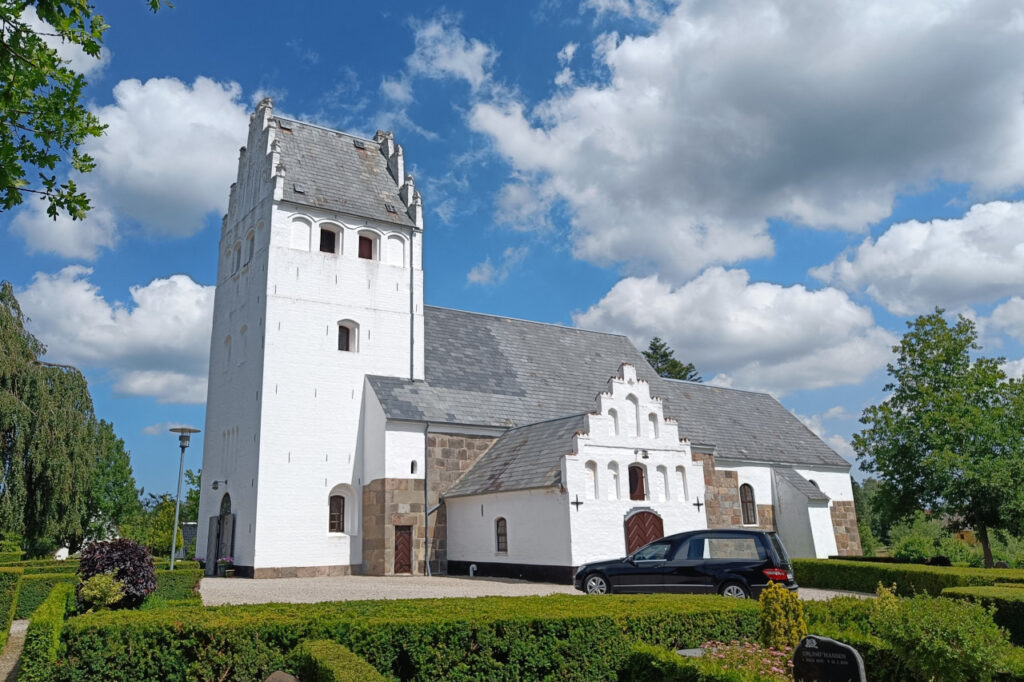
(184, 433)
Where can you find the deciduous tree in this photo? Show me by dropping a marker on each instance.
(950, 436)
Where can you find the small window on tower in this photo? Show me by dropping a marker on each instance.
(365, 247)
(348, 336)
(344, 338)
(328, 241)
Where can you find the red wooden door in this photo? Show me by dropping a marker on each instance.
(642, 528)
(403, 549)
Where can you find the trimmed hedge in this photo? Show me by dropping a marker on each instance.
(1008, 601)
(645, 662)
(42, 640)
(10, 581)
(6, 557)
(179, 584)
(35, 588)
(326, 661)
(561, 636)
(864, 576)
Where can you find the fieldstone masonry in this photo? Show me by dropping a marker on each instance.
(390, 502)
(844, 523)
(448, 457)
(722, 494)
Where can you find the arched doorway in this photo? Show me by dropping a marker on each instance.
(220, 540)
(642, 527)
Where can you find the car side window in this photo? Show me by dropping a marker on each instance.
(734, 547)
(657, 551)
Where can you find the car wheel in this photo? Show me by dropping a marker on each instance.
(596, 584)
(735, 590)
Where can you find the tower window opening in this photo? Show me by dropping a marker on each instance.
(328, 241)
(365, 247)
(344, 338)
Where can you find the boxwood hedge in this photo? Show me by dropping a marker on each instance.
(486, 638)
(42, 639)
(35, 587)
(1008, 601)
(326, 661)
(10, 579)
(863, 576)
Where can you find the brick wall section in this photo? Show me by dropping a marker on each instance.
(721, 494)
(766, 517)
(448, 458)
(390, 502)
(844, 523)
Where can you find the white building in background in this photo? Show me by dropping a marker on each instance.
(351, 429)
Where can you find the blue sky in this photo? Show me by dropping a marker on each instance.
(773, 187)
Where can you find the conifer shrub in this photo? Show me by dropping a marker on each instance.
(128, 561)
(782, 617)
(102, 591)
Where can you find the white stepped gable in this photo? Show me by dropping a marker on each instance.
(627, 414)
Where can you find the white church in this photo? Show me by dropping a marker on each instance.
(351, 429)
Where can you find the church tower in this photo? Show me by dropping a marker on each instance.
(319, 284)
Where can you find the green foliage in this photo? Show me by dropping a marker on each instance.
(782, 617)
(327, 661)
(485, 638)
(949, 436)
(939, 639)
(59, 463)
(10, 580)
(43, 122)
(101, 591)
(864, 576)
(128, 561)
(152, 526)
(645, 662)
(35, 588)
(916, 538)
(42, 640)
(178, 585)
(665, 364)
(1008, 601)
(7, 557)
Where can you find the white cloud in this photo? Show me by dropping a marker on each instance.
(913, 266)
(485, 272)
(1009, 317)
(730, 114)
(838, 443)
(71, 53)
(398, 90)
(641, 9)
(167, 159)
(156, 346)
(524, 206)
(160, 428)
(566, 54)
(1014, 369)
(758, 335)
(442, 52)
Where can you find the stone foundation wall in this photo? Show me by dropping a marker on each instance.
(844, 524)
(295, 571)
(390, 502)
(448, 458)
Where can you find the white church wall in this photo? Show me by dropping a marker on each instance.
(821, 529)
(374, 423)
(404, 446)
(835, 484)
(538, 527)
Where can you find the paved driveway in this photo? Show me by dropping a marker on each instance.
(218, 591)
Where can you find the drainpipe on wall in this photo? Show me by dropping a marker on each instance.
(426, 498)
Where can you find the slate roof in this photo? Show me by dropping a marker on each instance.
(801, 484)
(325, 169)
(497, 371)
(742, 424)
(523, 458)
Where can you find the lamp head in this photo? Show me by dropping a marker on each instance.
(184, 433)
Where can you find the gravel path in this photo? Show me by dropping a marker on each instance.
(218, 591)
(12, 651)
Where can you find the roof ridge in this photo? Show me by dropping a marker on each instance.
(320, 127)
(519, 319)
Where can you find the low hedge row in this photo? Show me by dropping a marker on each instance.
(484, 638)
(6, 557)
(1008, 601)
(42, 639)
(71, 565)
(10, 578)
(176, 585)
(645, 662)
(326, 661)
(863, 576)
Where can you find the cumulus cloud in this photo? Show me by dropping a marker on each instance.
(730, 114)
(757, 335)
(442, 52)
(641, 9)
(1009, 317)
(168, 156)
(160, 428)
(838, 443)
(485, 272)
(913, 266)
(1014, 369)
(158, 345)
(71, 53)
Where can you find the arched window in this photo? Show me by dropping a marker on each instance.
(336, 514)
(225, 504)
(747, 505)
(681, 492)
(328, 240)
(396, 250)
(250, 247)
(653, 419)
(501, 535)
(236, 261)
(663, 479)
(348, 336)
(591, 481)
(637, 484)
(301, 230)
(613, 481)
(369, 245)
(614, 414)
(814, 483)
(636, 414)
(412, 467)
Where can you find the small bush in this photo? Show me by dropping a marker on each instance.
(782, 618)
(177, 585)
(128, 561)
(42, 640)
(327, 661)
(100, 592)
(1008, 601)
(939, 638)
(645, 662)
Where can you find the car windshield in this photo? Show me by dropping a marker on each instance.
(653, 552)
(780, 549)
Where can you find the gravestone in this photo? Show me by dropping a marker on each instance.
(820, 659)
